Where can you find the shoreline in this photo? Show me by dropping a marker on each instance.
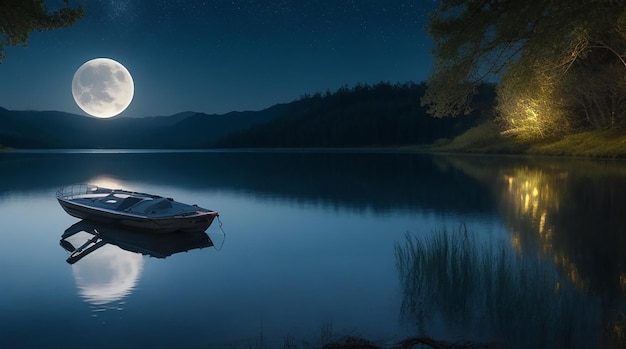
(487, 139)
(484, 139)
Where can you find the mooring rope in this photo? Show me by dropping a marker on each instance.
(220, 225)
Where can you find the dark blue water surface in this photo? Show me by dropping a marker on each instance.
(319, 245)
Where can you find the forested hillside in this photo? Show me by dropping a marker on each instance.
(362, 116)
(379, 115)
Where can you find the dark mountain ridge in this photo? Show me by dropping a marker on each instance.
(59, 130)
(379, 115)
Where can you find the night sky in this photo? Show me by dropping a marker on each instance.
(220, 56)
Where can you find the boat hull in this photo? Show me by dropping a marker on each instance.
(190, 223)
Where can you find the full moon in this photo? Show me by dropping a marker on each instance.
(102, 87)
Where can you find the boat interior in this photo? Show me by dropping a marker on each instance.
(139, 204)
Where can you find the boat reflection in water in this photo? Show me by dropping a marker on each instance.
(111, 258)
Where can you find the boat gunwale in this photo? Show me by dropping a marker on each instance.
(71, 193)
(144, 217)
(86, 190)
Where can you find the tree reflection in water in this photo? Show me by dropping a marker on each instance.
(562, 281)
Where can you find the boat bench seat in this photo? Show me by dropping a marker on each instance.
(159, 204)
(128, 202)
(148, 206)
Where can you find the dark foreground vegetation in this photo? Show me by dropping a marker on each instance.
(410, 343)
(351, 342)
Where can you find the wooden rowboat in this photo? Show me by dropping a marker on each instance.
(133, 210)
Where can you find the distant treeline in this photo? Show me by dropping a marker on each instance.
(361, 116)
(364, 115)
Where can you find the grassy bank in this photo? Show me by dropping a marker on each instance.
(486, 138)
(604, 144)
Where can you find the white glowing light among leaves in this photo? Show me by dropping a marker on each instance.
(103, 87)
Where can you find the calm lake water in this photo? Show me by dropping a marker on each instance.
(526, 252)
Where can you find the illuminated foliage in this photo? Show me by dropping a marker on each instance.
(18, 18)
(560, 64)
(529, 106)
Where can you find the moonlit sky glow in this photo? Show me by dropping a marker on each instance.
(222, 55)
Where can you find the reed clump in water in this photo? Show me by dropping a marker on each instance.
(491, 292)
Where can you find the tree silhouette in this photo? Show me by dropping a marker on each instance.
(18, 18)
(561, 65)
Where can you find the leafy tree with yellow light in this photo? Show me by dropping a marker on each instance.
(560, 64)
(18, 18)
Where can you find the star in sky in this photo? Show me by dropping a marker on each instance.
(223, 55)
